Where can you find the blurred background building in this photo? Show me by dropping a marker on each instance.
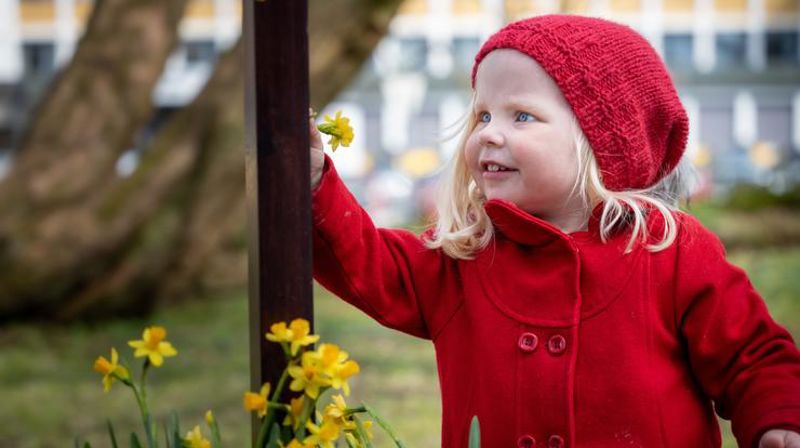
(736, 64)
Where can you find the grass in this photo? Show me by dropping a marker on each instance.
(50, 393)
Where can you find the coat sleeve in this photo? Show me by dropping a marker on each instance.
(388, 274)
(745, 362)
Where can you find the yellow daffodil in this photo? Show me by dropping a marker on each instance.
(342, 373)
(209, 418)
(257, 402)
(296, 444)
(324, 436)
(337, 408)
(338, 128)
(153, 345)
(296, 334)
(110, 369)
(336, 411)
(335, 364)
(295, 408)
(195, 439)
(308, 376)
(367, 425)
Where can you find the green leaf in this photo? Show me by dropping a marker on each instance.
(135, 441)
(111, 434)
(173, 431)
(383, 424)
(362, 433)
(349, 445)
(87, 445)
(216, 438)
(262, 434)
(474, 433)
(274, 436)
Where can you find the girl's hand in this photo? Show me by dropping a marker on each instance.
(317, 154)
(779, 438)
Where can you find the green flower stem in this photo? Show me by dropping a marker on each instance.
(271, 406)
(216, 437)
(149, 425)
(309, 406)
(262, 434)
(358, 410)
(142, 402)
(362, 433)
(276, 394)
(383, 425)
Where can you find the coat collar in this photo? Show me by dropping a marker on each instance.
(524, 228)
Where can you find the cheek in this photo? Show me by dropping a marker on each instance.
(471, 154)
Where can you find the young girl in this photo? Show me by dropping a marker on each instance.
(569, 301)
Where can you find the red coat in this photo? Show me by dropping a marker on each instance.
(559, 340)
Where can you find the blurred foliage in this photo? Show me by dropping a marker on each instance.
(753, 228)
(749, 197)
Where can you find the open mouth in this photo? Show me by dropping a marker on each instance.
(494, 167)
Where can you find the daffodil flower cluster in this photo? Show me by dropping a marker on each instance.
(153, 347)
(312, 373)
(309, 372)
(338, 128)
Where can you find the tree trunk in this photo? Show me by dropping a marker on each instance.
(78, 242)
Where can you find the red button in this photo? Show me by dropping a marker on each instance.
(557, 344)
(528, 342)
(555, 442)
(526, 441)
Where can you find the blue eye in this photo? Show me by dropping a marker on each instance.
(484, 117)
(524, 116)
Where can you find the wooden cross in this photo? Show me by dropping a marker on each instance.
(277, 173)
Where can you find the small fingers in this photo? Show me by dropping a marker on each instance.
(315, 139)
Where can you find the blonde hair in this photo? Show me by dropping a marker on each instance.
(462, 227)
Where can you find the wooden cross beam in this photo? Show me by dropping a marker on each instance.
(277, 176)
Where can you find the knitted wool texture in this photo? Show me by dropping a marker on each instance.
(617, 86)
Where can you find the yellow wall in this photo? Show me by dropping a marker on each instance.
(576, 6)
(466, 6)
(200, 9)
(413, 7)
(519, 8)
(83, 8)
(730, 5)
(625, 5)
(781, 6)
(678, 5)
(37, 10)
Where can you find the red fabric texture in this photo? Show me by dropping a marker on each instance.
(618, 87)
(546, 335)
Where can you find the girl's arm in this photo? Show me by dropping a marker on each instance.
(745, 362)
(388, 274)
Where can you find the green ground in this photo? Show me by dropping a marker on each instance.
(50, 394)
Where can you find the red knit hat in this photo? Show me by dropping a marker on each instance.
(618, 87)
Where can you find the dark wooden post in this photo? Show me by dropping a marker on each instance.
(277, 172)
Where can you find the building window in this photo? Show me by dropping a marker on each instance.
(200, 52)
(678, 51)
(731, 50)
(782, 48)
(39, 58)
(413, 54)
(464, 51)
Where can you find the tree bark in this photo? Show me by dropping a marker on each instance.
(79, 242)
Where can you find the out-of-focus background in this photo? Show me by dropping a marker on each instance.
(122, 186)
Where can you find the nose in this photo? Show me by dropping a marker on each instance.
(491, 135)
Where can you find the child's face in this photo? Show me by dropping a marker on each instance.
(524, 124)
